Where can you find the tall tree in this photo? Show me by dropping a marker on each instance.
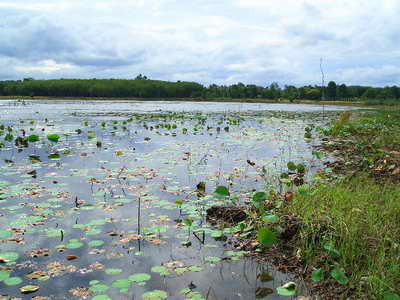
(331, 90)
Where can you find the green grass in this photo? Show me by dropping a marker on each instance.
(361, 219)
(359, 216)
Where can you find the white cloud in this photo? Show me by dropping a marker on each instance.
(46, 66)
(253, 41)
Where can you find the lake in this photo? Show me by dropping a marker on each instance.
(99, 199)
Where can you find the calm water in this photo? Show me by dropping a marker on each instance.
(106, 193)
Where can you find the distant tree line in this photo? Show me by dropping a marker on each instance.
(142, 87)
(331, 92)
(139, 87)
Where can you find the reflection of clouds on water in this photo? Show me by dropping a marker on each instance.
(156, 161)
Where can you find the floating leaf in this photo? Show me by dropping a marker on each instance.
(73, 244)
(113, 271)
(96, 243)
(98, 288)
(28, 289)
(33, 138)
(212, 259)
(53, 138)
(155, 295)
(4, 275)
(93, 231)
(102, 297)
(160, 269)
(8, 256)
(4, 234)
(54, 156)
(121, 283)
(222, 191)
(288, 289)
(11, 281)
(140, 277)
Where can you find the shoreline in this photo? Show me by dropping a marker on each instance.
(222, 100)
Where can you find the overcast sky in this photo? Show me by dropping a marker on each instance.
(208, 41)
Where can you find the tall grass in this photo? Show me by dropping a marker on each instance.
(362, 219)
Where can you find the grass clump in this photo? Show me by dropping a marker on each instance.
(360, 220)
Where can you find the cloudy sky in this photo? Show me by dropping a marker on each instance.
(208, 41)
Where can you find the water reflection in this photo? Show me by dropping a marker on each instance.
(93, 202)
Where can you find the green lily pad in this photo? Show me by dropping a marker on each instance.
(155, 295)
(11, 281)
(113, 271)
(4, 234)
(33, 138)
(140, 277)
(101, 297)
(121, 283)
(4, 275)
(93, 231)
(96, 243)
(98, 288)
(163, 271)
(53, 138)
(73, 244)
(212, 259)
(9, 256)
(28, 289)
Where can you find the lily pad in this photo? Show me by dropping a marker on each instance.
(4, 234)
(28, 289)
(101, 297)
(4, 275)
(155, 295)
(113, 271)
(212, 259)
(121, 283)
(98, 288)
(140, 277)
(288, 289)
(96, 243)
(163, 271)
(11, 281)
(8, 256)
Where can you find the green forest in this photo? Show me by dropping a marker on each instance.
(142, 87)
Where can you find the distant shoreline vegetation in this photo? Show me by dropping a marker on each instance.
(142, 87)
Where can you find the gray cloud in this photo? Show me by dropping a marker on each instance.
(251, 41)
